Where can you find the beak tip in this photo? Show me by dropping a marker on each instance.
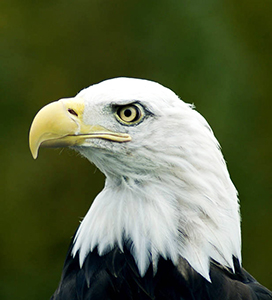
(34, 153)
(34, 149)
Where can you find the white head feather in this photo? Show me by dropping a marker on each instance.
(167, 190)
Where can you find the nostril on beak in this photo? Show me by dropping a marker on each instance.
(72, 112)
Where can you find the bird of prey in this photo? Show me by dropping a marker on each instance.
(167, 223)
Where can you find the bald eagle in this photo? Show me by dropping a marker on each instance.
(167, 223)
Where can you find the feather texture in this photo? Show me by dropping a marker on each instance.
(168, 189)
(115, 275)
(167, 223)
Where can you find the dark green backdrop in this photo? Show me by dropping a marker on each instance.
(216, 54)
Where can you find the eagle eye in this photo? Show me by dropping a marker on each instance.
(130, 114)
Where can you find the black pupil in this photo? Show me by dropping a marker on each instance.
(127, 113)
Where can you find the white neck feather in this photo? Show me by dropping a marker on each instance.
(161, 222)
(131, 211)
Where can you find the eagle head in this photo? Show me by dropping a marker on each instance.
(167, 190)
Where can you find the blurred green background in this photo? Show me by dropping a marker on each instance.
(215, 54)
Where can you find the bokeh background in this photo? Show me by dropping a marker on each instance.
(215, 54)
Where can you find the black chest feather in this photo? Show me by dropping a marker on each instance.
(115, 276)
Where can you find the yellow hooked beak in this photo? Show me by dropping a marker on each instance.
(60, 124)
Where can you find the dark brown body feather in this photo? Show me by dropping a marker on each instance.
(115, 276)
